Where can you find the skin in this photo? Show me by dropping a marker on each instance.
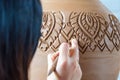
(68, 67)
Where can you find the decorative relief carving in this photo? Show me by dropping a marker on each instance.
(92, 31)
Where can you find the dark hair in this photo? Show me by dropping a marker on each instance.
(20, 22)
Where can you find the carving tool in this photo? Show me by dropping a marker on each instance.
(53, 68)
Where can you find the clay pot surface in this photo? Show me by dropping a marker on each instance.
(93, 25)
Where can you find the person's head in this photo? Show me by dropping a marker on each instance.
(20, 22)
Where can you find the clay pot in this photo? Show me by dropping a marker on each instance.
(96, 29)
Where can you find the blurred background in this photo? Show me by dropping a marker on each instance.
(114, 6)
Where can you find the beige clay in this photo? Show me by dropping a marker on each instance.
(96, 29)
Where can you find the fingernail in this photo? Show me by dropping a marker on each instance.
(71, 52)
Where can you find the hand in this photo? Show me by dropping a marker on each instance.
(68, 67)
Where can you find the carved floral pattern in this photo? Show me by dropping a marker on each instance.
(92, 31)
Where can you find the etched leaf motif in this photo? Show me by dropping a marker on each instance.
(92, 31)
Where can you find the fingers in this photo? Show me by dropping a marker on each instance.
(68, 57)
(64, 50)
(77, 73)
(51, 58)
(74, 49)
(62, 60)
(55, 55)
(74, 43)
